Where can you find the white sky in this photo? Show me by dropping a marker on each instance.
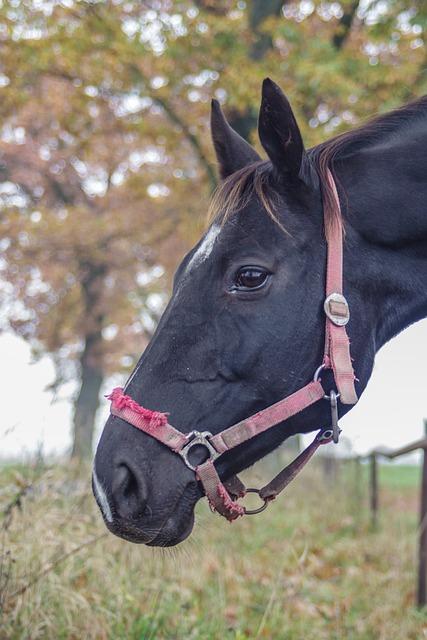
(390, 413)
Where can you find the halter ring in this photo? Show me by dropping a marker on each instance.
(316, 378)
(318, 371)
(252, 512)
(325, 436)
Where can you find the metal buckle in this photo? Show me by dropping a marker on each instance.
(198, 437)
(337, 309)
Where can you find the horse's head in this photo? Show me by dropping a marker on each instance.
(244, 328)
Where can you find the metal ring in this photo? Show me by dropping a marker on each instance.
(318, 371)
(251, 512)
(326, 434)
(316, 378)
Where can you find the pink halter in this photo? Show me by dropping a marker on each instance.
(223, 497)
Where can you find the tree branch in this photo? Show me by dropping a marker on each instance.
(192, 139)
(176, 119)
(172, 115)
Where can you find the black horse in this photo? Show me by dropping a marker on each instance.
(245, 323)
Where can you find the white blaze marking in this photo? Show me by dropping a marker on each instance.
(102, 498)
(205, 249)
(202, 254)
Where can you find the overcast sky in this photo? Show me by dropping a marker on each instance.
(390, 412)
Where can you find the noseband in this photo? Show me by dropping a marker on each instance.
(223, 497)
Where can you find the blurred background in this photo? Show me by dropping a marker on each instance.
(106, 170)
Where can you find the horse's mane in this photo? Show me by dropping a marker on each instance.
(235, 192)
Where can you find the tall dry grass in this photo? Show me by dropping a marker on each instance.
(307, 568)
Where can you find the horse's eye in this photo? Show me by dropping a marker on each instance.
(250, 278)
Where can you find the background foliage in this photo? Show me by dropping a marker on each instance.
(105, 160)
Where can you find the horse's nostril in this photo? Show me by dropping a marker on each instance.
(121, 477)
(129, 492)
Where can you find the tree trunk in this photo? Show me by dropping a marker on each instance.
(91, 360)
(245, 120)
(86, 406)
(260, 10)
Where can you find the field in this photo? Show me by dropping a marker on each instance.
(310, 567)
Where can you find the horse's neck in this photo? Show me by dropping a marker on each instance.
(386, 249)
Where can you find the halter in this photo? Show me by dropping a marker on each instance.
(223, 497)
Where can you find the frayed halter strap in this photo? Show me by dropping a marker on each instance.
(223, 496)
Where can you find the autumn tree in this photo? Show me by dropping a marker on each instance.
(105, 159)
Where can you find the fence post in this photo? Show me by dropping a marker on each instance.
(329, 464)
(374, 490)
(357, 480)
(422, 553)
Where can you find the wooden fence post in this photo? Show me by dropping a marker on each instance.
(329, 464)
(422, 553)
(374, 490)
(422, 535)
(357, 480)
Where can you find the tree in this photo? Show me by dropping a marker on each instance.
(104, 116)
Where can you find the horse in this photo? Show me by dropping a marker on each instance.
(245, 324)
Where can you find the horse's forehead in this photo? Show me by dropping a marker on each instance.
(205, 248)
(244, 227)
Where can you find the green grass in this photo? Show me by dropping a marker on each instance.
(310, 567)
(399, 476)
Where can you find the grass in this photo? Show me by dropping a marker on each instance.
(400, 476)
(308, 568)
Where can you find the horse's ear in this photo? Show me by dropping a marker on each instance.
(278, 131)
(232, 151)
